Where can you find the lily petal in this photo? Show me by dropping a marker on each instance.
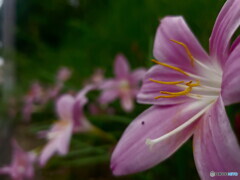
(138, 74)
(108, 84)
(226, 24)
(231, 78)
(5, 170)
(59, 143)
(64, 139)
(150, 89)
(121, 67)
(175, 28)
(64, 107)
(235, 44)
(127, 102)
(47, 152)
(77, 114)
(108, 96)
(215, 145)
(79, 103)
(133, 155)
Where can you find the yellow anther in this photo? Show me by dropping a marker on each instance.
(188, 83)
(186, 91)
(181, 93)
(196, 84)
(164, 82)
(186, 49)
(171, 67)
(193, 85)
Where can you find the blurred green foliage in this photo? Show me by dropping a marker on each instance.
(54, 33)
(51, 34)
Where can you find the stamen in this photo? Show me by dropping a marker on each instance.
(171, 67)
(193, 85)
(186, 91)
(188, 83)
(186, 49)
(171, 96)
(181, 93)
(165, 82)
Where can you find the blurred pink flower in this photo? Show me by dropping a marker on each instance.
(21, 167)
(97, 78)
(53, 92)
(125, 85)
(95, 109)
(72, 119)
(188, 96)
(38, 96)
(35, 96)
(64, 74)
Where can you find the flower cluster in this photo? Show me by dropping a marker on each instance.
(70, 111)
(38, 96)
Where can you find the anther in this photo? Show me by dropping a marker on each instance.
(184, 92)
(181, 93)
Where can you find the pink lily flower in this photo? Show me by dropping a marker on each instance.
(34, 97)
(21, 167)
(63, 75)
(124, 85)
(97, 77)
(188, 92)
(72, 119)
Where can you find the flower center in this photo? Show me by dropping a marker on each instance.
(207, 85)
(21, 169)
(124, 86)
(57, 129)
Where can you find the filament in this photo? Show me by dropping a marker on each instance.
(187, 50)
(171, 67)
(165, 82)
(186, 91)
